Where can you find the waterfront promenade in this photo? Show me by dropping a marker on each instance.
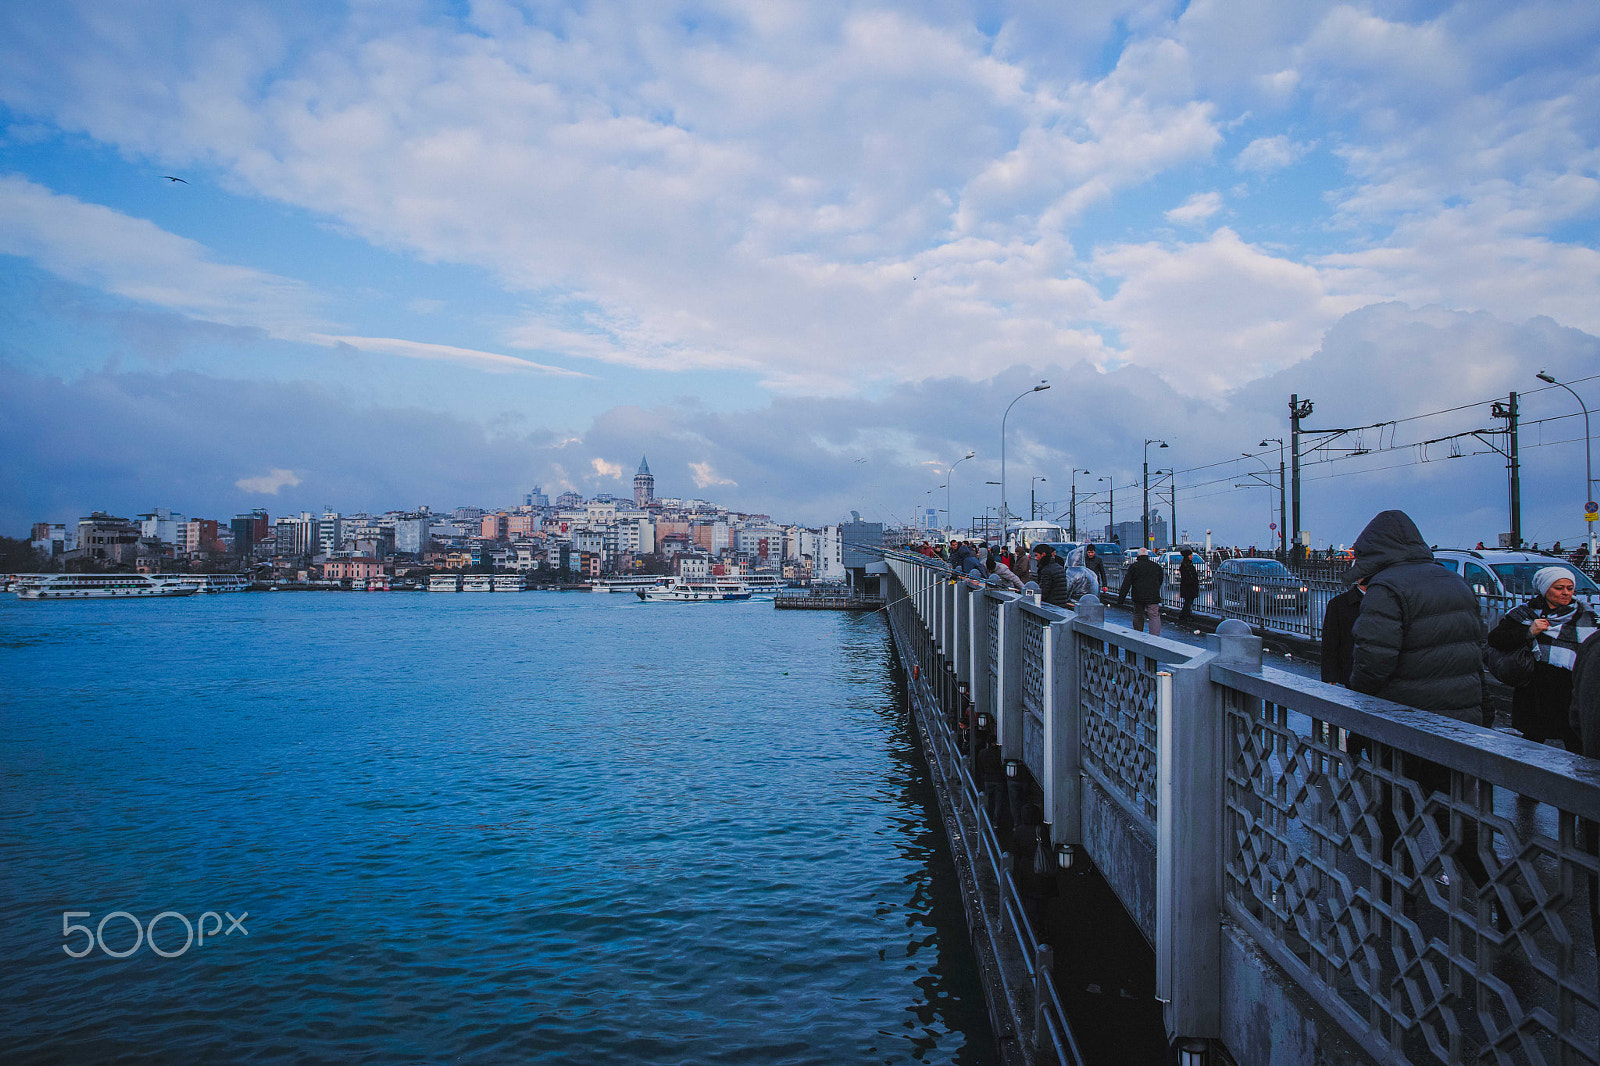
(1287, 925)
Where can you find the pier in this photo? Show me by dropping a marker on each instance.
(1301, 903)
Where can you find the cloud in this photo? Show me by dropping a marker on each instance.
(1196, 209)
(493, 362)
(604, 469)
(1266, 154)
(270, 482)
(705, 477)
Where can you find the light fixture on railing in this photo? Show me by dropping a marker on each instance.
(1065, 854)
(1011, 767)
(1193, 1053)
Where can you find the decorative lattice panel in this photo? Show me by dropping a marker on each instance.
(1117, 693)
(1442, 917)
(991, 613)
(1033, 665)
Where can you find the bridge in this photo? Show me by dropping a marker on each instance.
(1305, 898)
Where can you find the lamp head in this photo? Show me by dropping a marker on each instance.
(1040, 387)
(1542, 376)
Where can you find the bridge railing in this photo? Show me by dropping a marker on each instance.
(1428, 884)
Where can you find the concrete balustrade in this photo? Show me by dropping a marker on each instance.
(1309, 900)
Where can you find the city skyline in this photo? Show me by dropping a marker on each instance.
(803, 256)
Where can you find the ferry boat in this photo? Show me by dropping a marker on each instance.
(214, 582)
(509, 583)
(631, 583)
(680, 590)
(444, 583)
(101, 586)
(477, 583)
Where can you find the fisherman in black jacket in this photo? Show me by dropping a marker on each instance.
(1051, 576)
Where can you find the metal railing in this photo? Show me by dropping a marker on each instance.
(1429, 884)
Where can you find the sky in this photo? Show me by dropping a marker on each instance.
(804, 256)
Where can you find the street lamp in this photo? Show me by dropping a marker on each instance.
(1073, 521)
(1005, 511)
(1283, 524)
(1111, 506)
(1588, 469)
(1033, 507)
(948, 516)
(1146, 515)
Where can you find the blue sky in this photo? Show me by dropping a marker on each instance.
(801, 254)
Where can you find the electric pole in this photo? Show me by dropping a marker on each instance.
(1298, 409)
(1508, 411)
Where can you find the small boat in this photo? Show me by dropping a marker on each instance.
(101, 586)
(680, 590)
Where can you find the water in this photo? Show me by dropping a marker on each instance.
(525, 827)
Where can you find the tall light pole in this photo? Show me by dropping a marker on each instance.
(1588, 469)
(1033, 506)
(948, 516)
(1283, 527)
(1073, 521)
(1111, 506)
(1145, 520)
(1005, 511)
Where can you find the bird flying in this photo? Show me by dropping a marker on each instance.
(169, 177)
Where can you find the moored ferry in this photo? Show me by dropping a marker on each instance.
(509, 583)
(213, 582)
(444, 583)
(101, 586)
(681, 590)
(630, 583)
(477, 583)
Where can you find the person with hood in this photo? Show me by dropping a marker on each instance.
(1050, 575)
(1003, 571)
(1081, 581)
(1419, 637)
(1554, 624)
(1144, 579)
(1418, 640)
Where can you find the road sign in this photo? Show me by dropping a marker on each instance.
(1591, 511)
(1272, 525)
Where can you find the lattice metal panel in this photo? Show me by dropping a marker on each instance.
(1117, 693)
(1032, 665)
(1445, 926)
(991, 609)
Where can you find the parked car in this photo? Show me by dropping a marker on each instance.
(1170, 560)
(1261, 586)
(1497, 572)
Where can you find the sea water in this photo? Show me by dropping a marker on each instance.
(427, 827)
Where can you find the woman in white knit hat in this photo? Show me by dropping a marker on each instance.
(1552, 625)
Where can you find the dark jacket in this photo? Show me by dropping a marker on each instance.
(1338, 636)
(1542, 709)
(1098, 566)
(1586, 696)
(1419, 636)
(1143, 579)
(1052, 579)
(1188, 580)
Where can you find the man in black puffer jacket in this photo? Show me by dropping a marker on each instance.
(1419, 637)
(1051, 576)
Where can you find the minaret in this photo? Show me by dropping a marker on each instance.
(644, 485)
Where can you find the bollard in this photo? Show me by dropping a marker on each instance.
(1237, 645)
(1092, 609)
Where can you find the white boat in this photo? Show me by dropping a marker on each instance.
(477, 583)
(444, 583)
(509, 583)
(679, 590)
(101, 586)
(214, 582)
(632, 583)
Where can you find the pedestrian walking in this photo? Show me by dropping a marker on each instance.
(1094, 563)
(1144, 580)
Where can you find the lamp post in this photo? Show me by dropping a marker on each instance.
(1145, 520)
(1073, 520)
(1005, 511)
(1588, 469)
(1111, 506)
(1033, 506)
(1283, 526)
(948, 515)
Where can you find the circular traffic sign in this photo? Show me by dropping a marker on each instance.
(1272, 525)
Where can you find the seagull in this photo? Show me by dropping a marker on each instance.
(169, 177)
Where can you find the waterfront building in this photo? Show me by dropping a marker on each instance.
(494, 527)
(711, 536)
(162, 525)
(296, 536)
(537, 498)
(568, 500)
(354, 568)
(411, 532)
(108, 539)
(330, 532)
(54, 538)
(248, 529)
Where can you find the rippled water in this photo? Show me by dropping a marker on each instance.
(482, 828)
